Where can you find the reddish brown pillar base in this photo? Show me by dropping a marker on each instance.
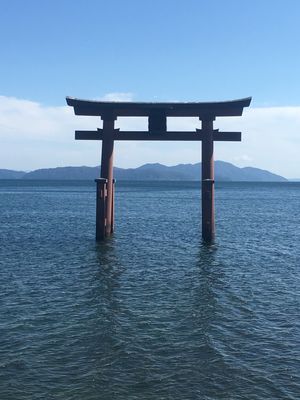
(208, 218)
(101, 198)
(102, 230)
(113, 208)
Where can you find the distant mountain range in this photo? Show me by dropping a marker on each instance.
(10, 174)
(224, 171)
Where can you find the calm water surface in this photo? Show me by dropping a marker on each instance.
(152, 313)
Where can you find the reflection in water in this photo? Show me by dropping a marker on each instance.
(108, 274)
(208, 368)
(159, 339)
(206, 302)
(105, 345)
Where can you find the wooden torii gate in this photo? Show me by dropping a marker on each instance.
(157, 114)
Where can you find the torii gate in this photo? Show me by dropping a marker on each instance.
(157, 114)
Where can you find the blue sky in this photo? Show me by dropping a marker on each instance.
(163, 50)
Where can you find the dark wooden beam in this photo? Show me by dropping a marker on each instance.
(164, 136)
(157, 121)
(132, 109)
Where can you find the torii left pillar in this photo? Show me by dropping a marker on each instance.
(105, 226)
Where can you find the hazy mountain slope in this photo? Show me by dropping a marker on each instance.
(10, 174)
(84, 173)
(255, 174)
(223, 172)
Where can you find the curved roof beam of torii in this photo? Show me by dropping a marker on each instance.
(174, 109)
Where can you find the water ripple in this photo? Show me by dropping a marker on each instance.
(152, 313)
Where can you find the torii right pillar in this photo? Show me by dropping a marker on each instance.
(208, 183)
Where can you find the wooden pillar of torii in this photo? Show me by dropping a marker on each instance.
(157, 114)
(107, 173)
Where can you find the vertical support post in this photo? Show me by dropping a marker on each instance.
(107, 167)
(208, 211)
(101, 195)
(113, 208)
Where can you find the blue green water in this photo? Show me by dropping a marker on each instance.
(151, 313)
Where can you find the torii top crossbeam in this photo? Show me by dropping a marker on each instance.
(157, 114)
(134, 109)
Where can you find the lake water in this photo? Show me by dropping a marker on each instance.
(152, 313)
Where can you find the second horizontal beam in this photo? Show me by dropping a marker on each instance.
(164, 136)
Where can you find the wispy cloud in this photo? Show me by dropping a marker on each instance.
(34, 136)
(118, 97)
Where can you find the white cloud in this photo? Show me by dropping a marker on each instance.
(118, 97)
(35, 136)
(270, 137)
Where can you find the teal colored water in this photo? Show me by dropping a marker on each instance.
(151, 313)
